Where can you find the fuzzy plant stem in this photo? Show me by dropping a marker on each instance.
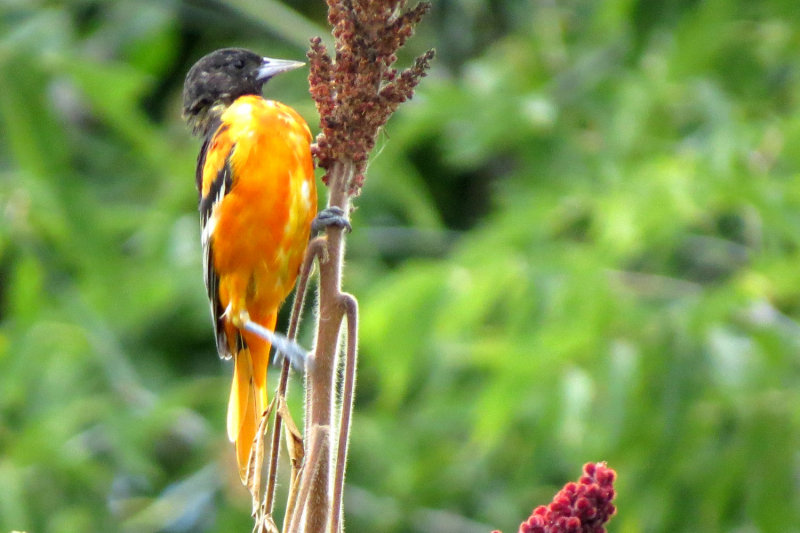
(321, 378)
(312, 252)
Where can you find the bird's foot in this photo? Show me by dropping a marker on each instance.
(331, 216)
(285, 348)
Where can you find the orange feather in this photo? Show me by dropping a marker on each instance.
(254, 238)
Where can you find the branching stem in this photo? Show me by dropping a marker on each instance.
(321, 378)
(314, 250)
(318, 435)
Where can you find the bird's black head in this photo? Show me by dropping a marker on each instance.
(219, 78)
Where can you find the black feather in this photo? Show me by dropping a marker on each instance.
(201, 162)
(221, 186)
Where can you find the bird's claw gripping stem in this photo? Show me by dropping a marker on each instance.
(331, 216)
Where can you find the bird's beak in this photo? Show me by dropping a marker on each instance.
(270, 67)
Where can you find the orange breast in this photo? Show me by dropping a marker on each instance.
(261, 226)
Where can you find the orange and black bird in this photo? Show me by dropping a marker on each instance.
(255, 176)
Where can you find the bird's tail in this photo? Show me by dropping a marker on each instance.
(248, 393)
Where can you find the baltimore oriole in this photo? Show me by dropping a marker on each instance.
(255, 176)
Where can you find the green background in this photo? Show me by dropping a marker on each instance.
(579, 242)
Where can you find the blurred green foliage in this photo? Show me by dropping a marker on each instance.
(579, 242)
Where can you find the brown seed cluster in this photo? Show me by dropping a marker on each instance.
(358, 91)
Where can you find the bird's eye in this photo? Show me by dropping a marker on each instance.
(238, 63)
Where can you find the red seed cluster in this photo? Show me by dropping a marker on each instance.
(358, 91)
(582, 507)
